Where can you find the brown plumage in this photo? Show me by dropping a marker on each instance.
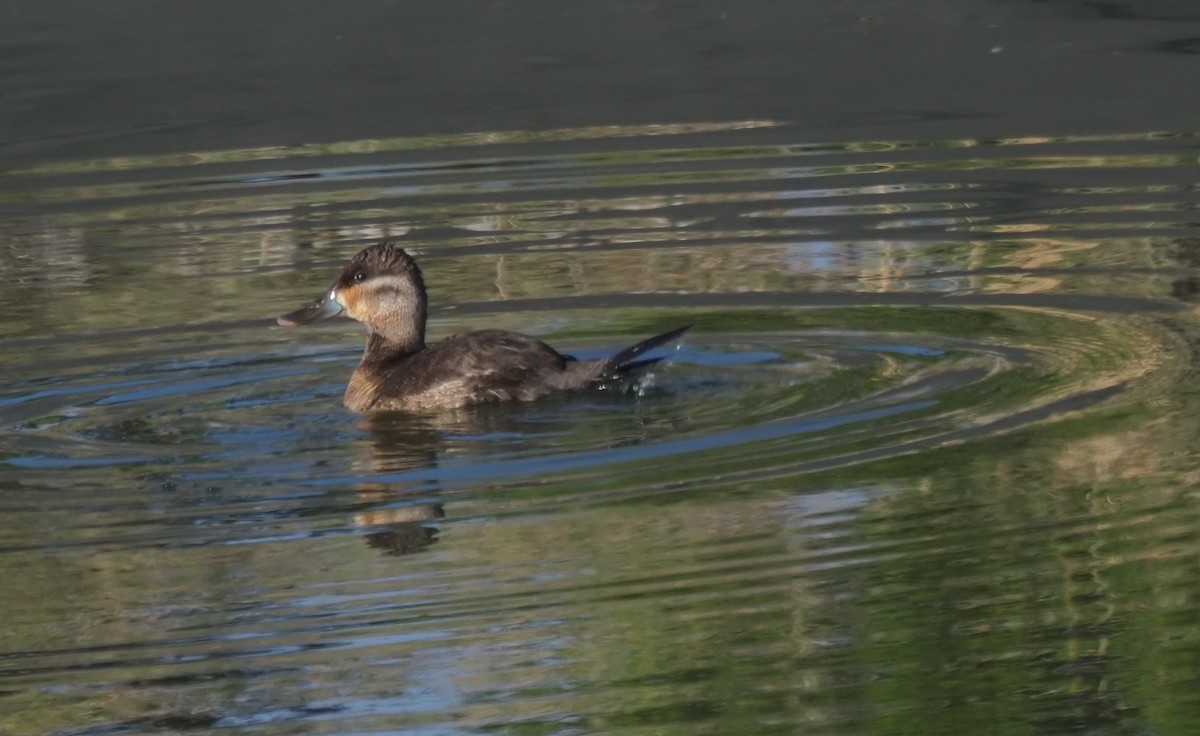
(382, 288)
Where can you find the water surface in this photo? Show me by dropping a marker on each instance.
(925, 461)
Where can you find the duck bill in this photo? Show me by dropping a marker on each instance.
(324, 307)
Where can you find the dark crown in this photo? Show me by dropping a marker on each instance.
(383, 258)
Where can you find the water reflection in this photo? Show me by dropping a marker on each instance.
(926, 453)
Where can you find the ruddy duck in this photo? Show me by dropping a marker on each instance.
(382, 288)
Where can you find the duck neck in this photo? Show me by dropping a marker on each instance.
(393, 344)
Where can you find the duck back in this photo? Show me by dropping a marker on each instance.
(482, 367)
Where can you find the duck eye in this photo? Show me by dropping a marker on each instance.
(358, 277)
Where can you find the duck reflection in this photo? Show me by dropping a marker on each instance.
(401, 443)
(397, 444)
(400, 517)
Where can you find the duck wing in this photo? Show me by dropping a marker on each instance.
(486, 365)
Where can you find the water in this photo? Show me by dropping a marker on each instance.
(925, 462)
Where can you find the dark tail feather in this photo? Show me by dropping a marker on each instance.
(623, 363)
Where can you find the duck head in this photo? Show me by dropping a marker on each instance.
(380, 287)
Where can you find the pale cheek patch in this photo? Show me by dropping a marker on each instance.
(378, 300)
(388, 283)
(384, 297)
